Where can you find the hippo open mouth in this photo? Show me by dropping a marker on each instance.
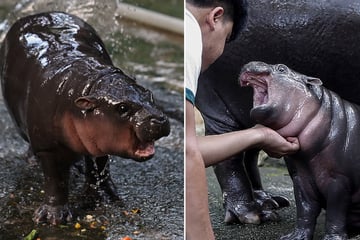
(145, 150)
(147, 133)
(259, 84)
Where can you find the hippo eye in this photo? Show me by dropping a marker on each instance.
(281, 68)
(122, 108)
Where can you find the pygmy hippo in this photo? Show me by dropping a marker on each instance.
(325, 171)
(317, 38)
(69, 102)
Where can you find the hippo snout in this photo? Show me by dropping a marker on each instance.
(153, 128)
(254, 70)
(161, 121)
(256, 67)
(160, 126)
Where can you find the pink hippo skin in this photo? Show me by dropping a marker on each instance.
(325, 172)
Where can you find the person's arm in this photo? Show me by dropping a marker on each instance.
(198, 225)
(216, 148)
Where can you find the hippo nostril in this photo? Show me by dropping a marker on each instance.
(154, 121)
(161, 125)
(153, 127)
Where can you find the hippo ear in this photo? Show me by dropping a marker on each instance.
(86, 103)
(313, 81)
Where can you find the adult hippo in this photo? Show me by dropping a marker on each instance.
(69, 101)
(317, 38)
(325, 171)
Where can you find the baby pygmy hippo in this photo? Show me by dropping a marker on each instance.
(69, 102)
(325, 171)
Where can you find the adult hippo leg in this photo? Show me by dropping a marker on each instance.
(236, 189)
(267, 201)
(98, 183)
(56, 168)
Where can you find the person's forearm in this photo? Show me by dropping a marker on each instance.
(216, 148)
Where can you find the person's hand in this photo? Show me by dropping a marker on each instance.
(274, 144)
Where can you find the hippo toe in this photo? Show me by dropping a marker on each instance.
(52, 214)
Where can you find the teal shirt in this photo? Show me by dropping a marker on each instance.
(189, 95)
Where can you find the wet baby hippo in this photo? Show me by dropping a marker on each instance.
(325, 172)
(69, 102)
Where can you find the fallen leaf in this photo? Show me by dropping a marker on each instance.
(31, 235)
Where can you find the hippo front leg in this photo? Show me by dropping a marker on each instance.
(99, 185)
(338, 199)
(307, 210)
(56, 169)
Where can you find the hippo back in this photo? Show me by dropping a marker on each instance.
(38, 55)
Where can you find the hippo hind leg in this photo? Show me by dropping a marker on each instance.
(99, 186)
(237, 192)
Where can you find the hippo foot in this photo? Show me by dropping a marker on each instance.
(248, 213)
(298, 234)
(52, 214)
(269, 216)
(254, 212)
(270, 202)
(104, 192)
(242, 216)
(335, 237)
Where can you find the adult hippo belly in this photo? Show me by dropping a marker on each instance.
(69, 102)
(317, 38)
(325, 171)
